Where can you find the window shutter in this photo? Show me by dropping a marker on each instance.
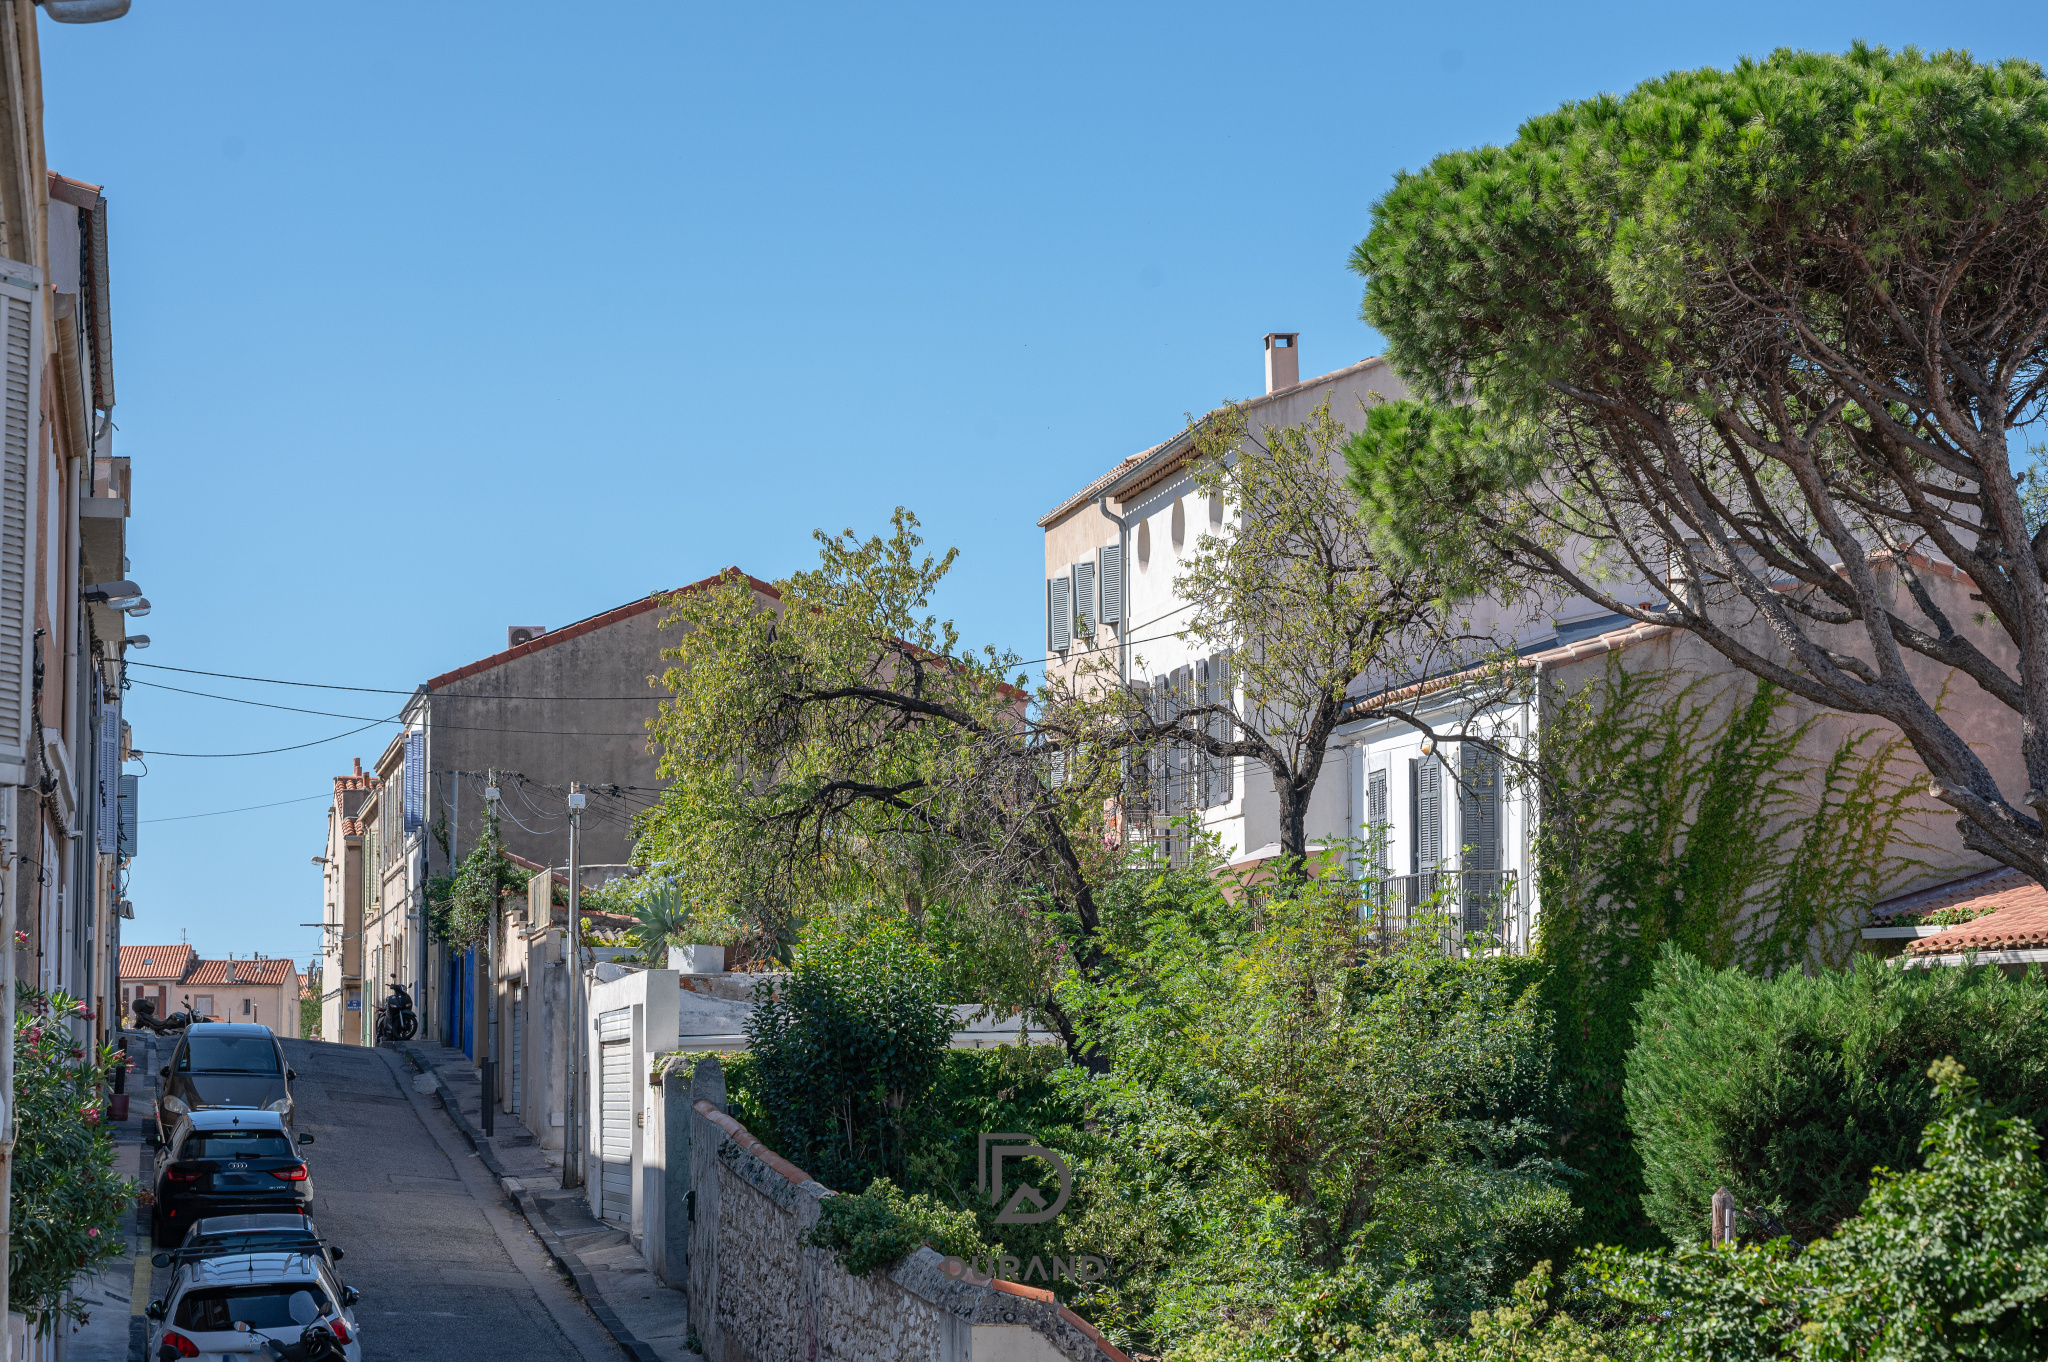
(1059, 614)
(1429, 814)
(1376, 818)
(1480, 772)
(1084, 599)
(1109, 563)
(1162, 755)
(1189, 794)
(130, 785)
(108, 790)
(1205, 780)
(20, 344)
(415, 781)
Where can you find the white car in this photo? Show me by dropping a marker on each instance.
(220, 1307)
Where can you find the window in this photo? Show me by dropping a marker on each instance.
(1376, 820)
(274, 1305)
(229, 1055)
(245, 1007)
(235, 1144)
(203, 1004)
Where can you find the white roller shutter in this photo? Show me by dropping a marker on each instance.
(615, 1116)
(20, 358)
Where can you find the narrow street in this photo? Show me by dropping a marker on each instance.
(448, 1269)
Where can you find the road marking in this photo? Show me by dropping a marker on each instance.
(140, 1299)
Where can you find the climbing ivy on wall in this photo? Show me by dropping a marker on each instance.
(459, 907)
(1686, 814)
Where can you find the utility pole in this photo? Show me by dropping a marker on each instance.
(572, 1145)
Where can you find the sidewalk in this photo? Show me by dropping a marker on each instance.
(647, 1318)
(118, 1293)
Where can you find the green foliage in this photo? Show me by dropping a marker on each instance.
(459, 907)
(1769, 330)
(1685, 815)
(1789, 1091)
(883, 1225)
(1289, 1118)
(67, 1197)
(1947, 1262)
(846, 1049)
(309, 1006)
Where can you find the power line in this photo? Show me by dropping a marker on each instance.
(247, 808)
(271, 750)
(373, 690)
(396, 718)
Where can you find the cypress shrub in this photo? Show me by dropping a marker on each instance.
(1790, 1090)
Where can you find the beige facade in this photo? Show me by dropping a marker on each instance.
(344, 885)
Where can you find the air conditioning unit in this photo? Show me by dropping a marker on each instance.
(523, 633)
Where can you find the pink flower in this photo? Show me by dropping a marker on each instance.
(92, 1233)
(21, 938)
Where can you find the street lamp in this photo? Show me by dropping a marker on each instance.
(124, 596)
(134, 641)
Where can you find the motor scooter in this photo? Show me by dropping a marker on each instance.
(396, 1020)
(147, 1019)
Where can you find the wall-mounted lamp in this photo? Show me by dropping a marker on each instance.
(134, 641)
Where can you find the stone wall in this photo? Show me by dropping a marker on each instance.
(757, 1294)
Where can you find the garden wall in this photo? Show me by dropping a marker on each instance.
(757, 1294)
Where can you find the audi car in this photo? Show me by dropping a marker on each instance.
(229, 1065)
(227, 1163)
(215, 1304)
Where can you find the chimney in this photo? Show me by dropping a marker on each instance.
(1283, 360)
(359, 760)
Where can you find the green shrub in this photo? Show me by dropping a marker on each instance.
(1790, 1091)
(846, 1050)
(1947, 1262)
(885, 1224)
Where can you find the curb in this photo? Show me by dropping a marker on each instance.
(535, 1219)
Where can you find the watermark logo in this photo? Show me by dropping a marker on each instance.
(1027, 1205)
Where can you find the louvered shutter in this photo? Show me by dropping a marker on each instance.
(1084, 599)
(20, 358)
(1226, 768)
(415, 781)
(130, 787)
(1189, 795)
(1059, 614)
(108, 777)
(1162, 754)
(1479, 769)
(1109, 576)
(1429, 814)
(1205, 765)
(1376, 818)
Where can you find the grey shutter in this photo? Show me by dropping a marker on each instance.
(1376, 818)
(20, 342)
(1084, 599)
(1479, 769)
(1059, 615)
(1226, 769)
(1109, 563)
(1162, 754)
(108, 779)
(129, 786)
(1205, 780)
(1429, 814)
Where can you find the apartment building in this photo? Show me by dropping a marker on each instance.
(344, 899)
(260, 989)
(1113, 597)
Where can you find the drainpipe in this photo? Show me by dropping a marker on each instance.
(1123, 626)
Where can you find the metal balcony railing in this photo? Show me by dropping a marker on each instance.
(1474, 911)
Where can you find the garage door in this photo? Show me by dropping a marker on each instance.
(615, 1116)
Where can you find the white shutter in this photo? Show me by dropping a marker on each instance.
(1059, 615)
(1376, 818)
(1084, 599)
(20, 358)
(1109, 576)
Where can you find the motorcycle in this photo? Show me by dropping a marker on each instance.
(173, 1025)
(396, 1020)
(316, 1344)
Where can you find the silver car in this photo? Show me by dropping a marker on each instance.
(222, 1306)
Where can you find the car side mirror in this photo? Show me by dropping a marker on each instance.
(161, 1259)
(292, 1074)
(164, 1072)
(337, 1254)
(156, 1310)
(304, 1138)
(349, 1295)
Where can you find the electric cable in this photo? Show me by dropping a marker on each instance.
(376, 690)
(247, 808)
(270, 750)
(396, 718)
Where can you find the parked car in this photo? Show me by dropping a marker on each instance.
(224, 1064)
(215, 1304)
(224, 1163)
(218, 1235)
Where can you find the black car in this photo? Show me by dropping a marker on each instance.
(227, 1163)
(227, 1066)
(267, 1233)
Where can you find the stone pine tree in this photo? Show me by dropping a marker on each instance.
(1767, 336)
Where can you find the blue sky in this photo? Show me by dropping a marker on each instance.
(433, 319)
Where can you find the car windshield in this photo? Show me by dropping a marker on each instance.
(229, 1055)
(220, 1308)
(237, 1144)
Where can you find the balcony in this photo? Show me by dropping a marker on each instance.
(1475, 912)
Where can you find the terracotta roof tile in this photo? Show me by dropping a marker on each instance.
(2018, 920)
(1996, 880)
(255, 973)
(156, 962)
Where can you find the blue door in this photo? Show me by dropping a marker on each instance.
(469, 1002)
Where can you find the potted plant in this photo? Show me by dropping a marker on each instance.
(681, 935)
(707, 937)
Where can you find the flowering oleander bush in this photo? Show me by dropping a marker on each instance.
(67, 1196)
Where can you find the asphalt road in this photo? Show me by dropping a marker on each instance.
(448, 1269)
